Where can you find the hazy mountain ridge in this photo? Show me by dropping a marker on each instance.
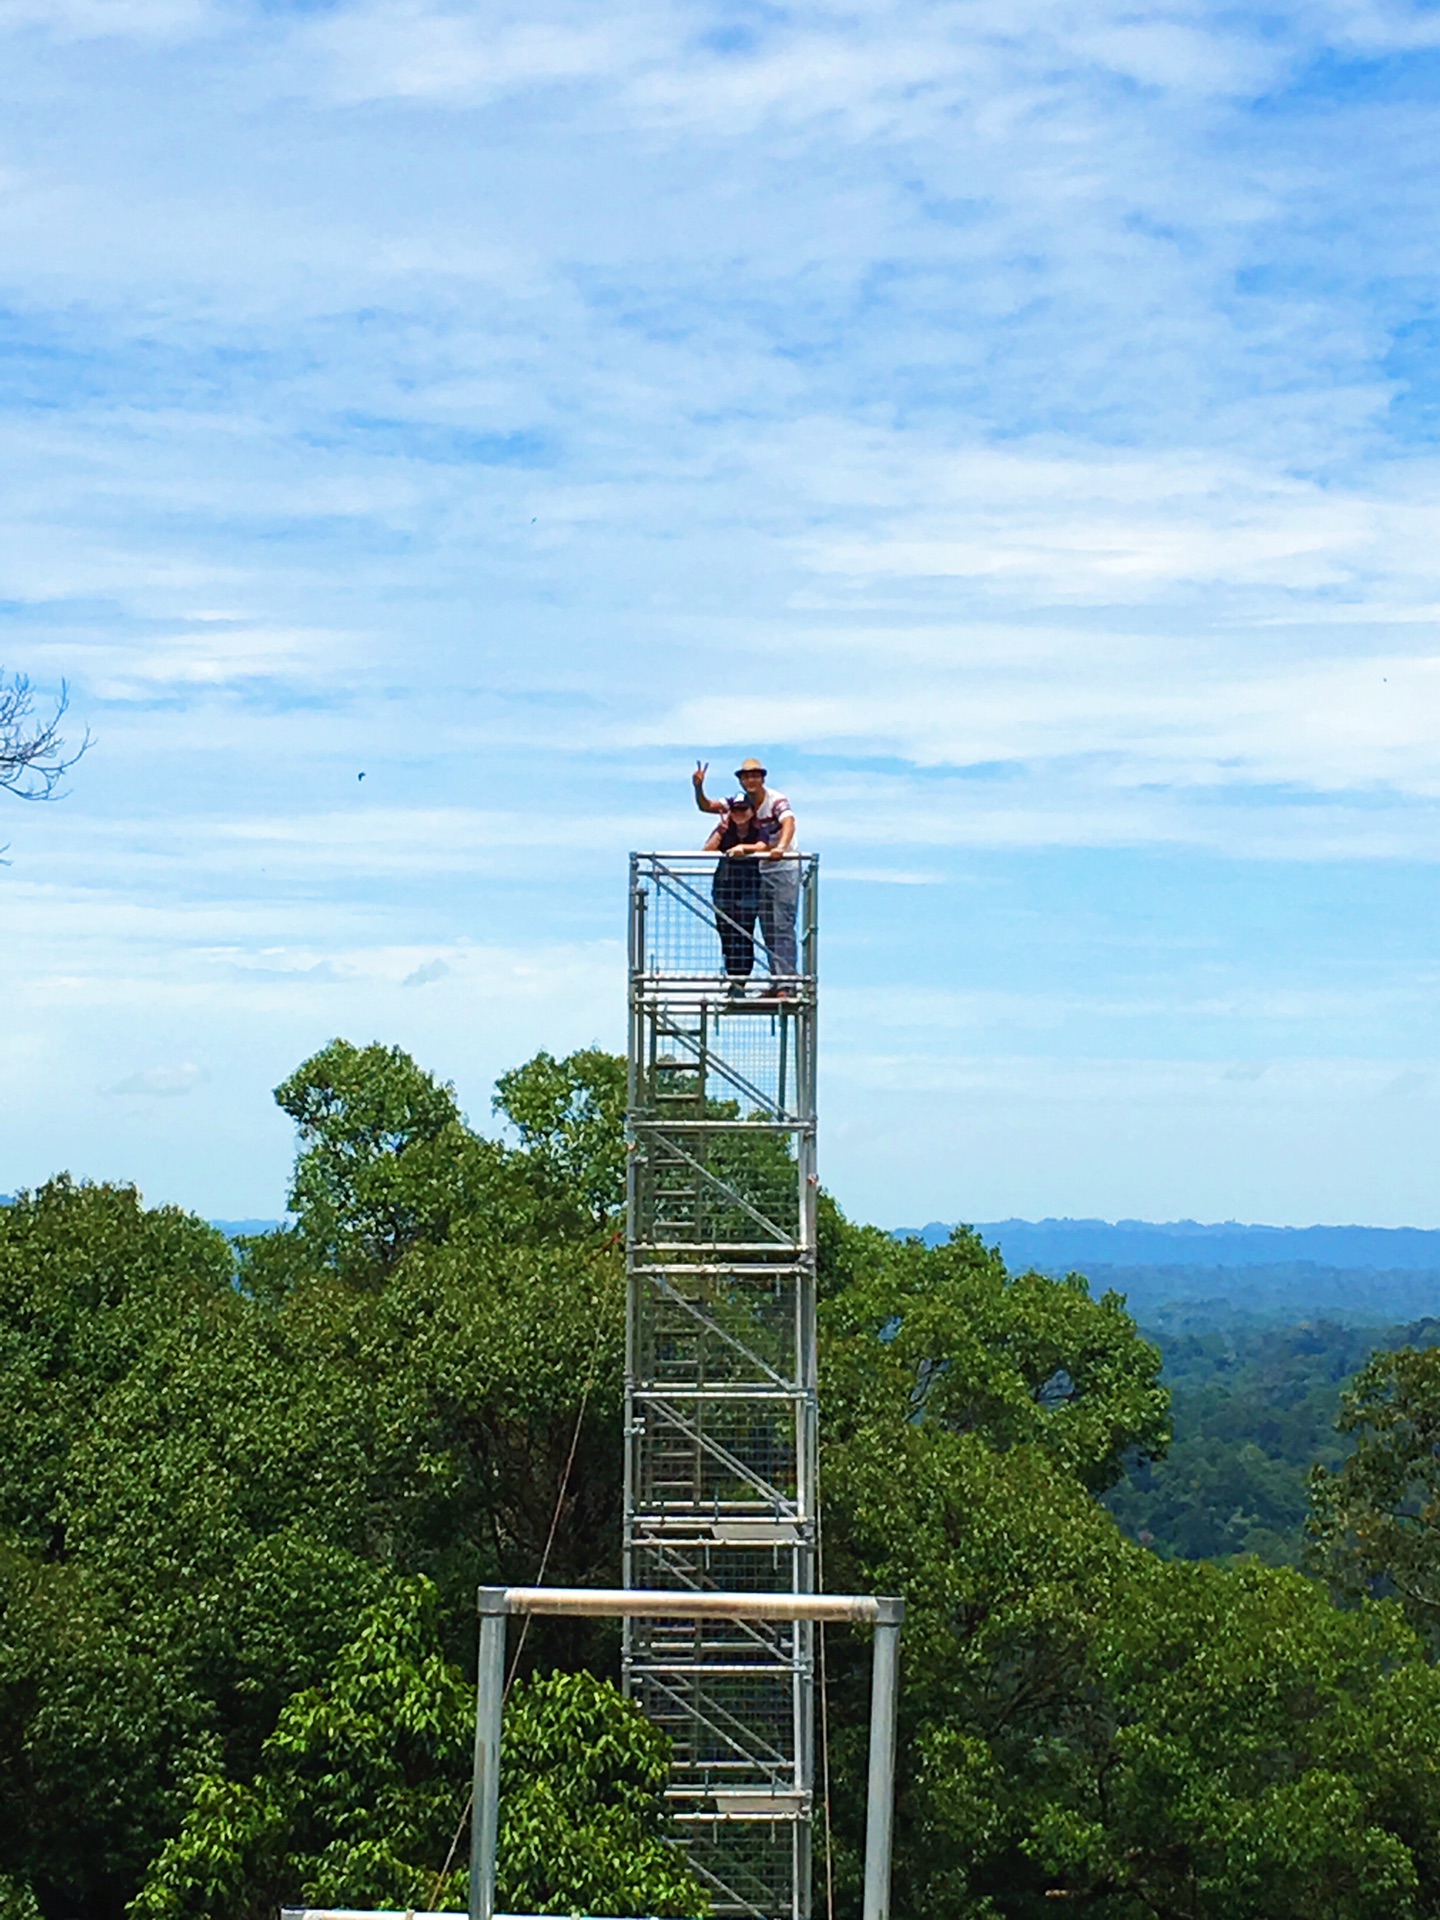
(1185, 1275)
(1058, 1245)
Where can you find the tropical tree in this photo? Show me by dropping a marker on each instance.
(1375, 1520)
(1262, 1755)
(246, 1496)
(570, 1116)
(1080, 1720)
(360, 1795)
(945, 1339)
(203, 1484)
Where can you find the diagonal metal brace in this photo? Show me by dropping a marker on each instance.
(723, 1187)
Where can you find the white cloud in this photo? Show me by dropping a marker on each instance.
(424, 975)
(412, 50)
(215, 655)
(109, 19)
(1103, 552)
(162, 1083)
(989, 409)
(1102, 725)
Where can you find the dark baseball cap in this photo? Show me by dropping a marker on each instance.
(742, 803)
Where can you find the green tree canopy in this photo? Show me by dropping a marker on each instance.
(203, 1484)
(245, 1502)
(1082, 1722)
(945, 1337)
(1375, 1520)
(570, 1116)
(386, 1162)
(360, 1795)
(1264, 1755)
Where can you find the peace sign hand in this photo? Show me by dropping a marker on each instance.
(702, 767)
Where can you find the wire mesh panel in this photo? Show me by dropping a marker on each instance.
(703, 1452)
(708, 1328)
(749, 1864)
(720, 1464)
(700, 908)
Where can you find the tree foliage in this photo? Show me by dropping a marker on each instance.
(1375, 1520)
(1254, 1409)
(945, 1339)
(203, 1484)
(1263, 1756)
(570, 1116)
(1082, 1721)
(359, 1796)
(246, 1496)
(386, 1163)
(583, 1820)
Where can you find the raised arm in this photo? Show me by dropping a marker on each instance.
(702, 767)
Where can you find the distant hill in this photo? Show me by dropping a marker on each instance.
(1055, 1246)
(230, 1228)
(1185, 1276)
(1176, 1299)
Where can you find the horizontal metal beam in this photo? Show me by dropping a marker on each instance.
(682, 1512)
(658, 1530)
(762, 1396)
(867, 1609)
(780, 1269)
(663, 992)
(794, 1249)
(747, 1669)
(694, 856)
(664, 1123)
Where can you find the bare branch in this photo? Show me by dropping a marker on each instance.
(33, 759)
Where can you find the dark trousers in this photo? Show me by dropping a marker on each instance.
(735, 891)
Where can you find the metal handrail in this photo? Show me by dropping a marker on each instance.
(883, 1612)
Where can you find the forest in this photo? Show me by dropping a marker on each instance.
(248, 1489)
(1254, 1410)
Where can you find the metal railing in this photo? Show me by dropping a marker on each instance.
(497, 1604)
(693, 913)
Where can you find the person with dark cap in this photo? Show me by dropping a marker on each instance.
(735, 889)
(779, 878)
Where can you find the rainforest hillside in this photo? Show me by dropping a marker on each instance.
(248, 1489)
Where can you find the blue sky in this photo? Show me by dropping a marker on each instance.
(1016, 423)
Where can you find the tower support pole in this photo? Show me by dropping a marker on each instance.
(880, 1799)
(485, 1787)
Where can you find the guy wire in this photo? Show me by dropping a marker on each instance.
(538, 1581)
(824, 1701)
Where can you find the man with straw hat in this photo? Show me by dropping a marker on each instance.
(779, 878)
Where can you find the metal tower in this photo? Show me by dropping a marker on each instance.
(720, 1464)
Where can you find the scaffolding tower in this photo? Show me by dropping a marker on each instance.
(720, 1464)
